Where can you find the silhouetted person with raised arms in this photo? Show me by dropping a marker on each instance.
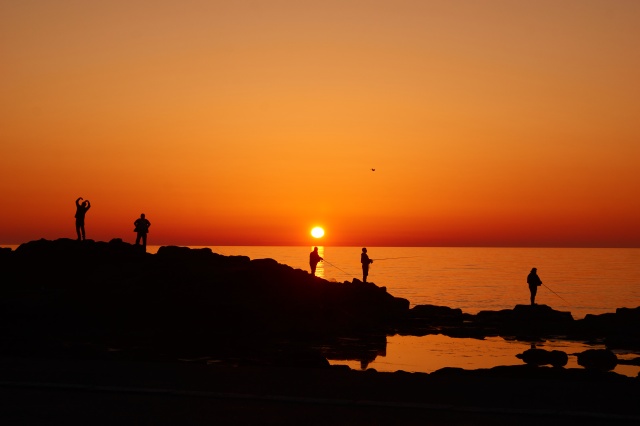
(81, 211)
(142, 228)
(314, 258)
(534, 282)
(364, 259)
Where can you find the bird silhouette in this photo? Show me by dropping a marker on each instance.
(373, 170)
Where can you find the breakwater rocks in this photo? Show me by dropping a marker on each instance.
(70, 295)
(619, 330)
(65, 293)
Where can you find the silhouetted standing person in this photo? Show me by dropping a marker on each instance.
(142, 228)
(534, 282)
(314, 258)
(81, 211)
(364, 259)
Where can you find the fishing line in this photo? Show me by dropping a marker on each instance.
(329, 263)
(558, 295)
(403, 257)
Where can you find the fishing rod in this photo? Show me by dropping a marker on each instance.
(557, 295)
(402, 257)
(329, 263)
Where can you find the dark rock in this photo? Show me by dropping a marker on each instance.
(536, 320)
(540, 313)
(598, 359)
(340, 367)
(466, 332)
(302, 358)
(621, 340)
(629, 314)
(436, 314)
(634, 361)
(178, 300)
(449, 372)
(620, 330)
(543, 357)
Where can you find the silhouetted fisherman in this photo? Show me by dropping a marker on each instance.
(81, 211)
(314, 258)
(534, 282)
(142, 228)
(364, 259)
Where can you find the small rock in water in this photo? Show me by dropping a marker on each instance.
(598, 359)
(544, 357)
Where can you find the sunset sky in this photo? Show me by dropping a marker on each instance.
(488, 123)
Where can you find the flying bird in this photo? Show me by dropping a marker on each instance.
(373, 170)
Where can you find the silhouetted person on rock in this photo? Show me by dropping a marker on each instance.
(314, 258)
(364, 259)
(81, 211)
(534, 282)
(142, 228)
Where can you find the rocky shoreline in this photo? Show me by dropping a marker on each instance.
(108, 303)
(107, 299)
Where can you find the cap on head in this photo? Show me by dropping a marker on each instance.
(364, 249)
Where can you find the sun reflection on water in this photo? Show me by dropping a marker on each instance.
(320, 266)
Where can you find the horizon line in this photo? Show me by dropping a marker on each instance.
(2, 245)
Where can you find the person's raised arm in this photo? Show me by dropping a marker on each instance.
(78, 201)
(88, 205)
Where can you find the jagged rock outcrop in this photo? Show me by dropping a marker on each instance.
(526, 319)
(619, 330)
(62, 292)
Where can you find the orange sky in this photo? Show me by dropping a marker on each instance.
(504, 123)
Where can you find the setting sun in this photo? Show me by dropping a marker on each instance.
(317, 232)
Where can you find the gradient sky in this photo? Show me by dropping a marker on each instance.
(493, 123)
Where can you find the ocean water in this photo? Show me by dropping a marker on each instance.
(579, 280)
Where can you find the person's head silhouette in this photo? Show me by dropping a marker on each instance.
(364, 249)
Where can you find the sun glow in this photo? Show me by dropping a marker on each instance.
(317, 232)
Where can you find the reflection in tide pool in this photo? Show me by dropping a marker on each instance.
(429, 353)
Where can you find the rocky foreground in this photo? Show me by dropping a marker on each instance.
(110, 302)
